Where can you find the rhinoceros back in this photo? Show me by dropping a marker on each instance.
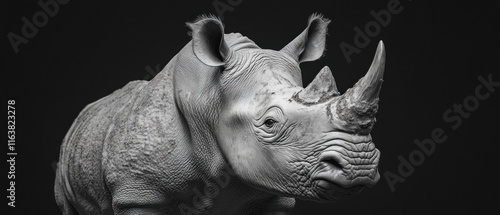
(79, 169)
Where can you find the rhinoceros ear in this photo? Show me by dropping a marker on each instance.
(208, 41)
(310, 44)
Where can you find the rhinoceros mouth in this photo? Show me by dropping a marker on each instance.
(332, 191)
(345, 167)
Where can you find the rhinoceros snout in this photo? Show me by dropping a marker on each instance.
(349, 165)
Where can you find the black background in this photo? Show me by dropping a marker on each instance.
(435, 52)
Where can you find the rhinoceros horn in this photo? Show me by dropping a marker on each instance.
(359, 104)
(322, 88)
(368, 88)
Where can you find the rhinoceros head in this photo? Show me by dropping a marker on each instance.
(312, 143)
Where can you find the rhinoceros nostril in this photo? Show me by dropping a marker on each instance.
(333, 163)
(333, 160)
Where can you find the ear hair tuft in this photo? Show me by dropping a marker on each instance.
(318, 16)
(200, 19)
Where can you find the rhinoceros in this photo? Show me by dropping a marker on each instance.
(225, 128)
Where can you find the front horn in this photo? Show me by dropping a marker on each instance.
(358, 106)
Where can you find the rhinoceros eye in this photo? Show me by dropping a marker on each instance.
(270, 126)
(269, 123)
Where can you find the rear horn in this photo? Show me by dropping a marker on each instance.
(322, 88)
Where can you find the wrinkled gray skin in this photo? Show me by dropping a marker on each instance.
(225, 128)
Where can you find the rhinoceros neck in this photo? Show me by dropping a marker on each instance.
(195, 110)
(195, 104)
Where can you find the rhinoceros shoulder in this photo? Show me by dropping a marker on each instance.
(80, 167)
(88, 131)
(146, 141)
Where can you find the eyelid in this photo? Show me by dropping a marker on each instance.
(270, 134)
(273, 113)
